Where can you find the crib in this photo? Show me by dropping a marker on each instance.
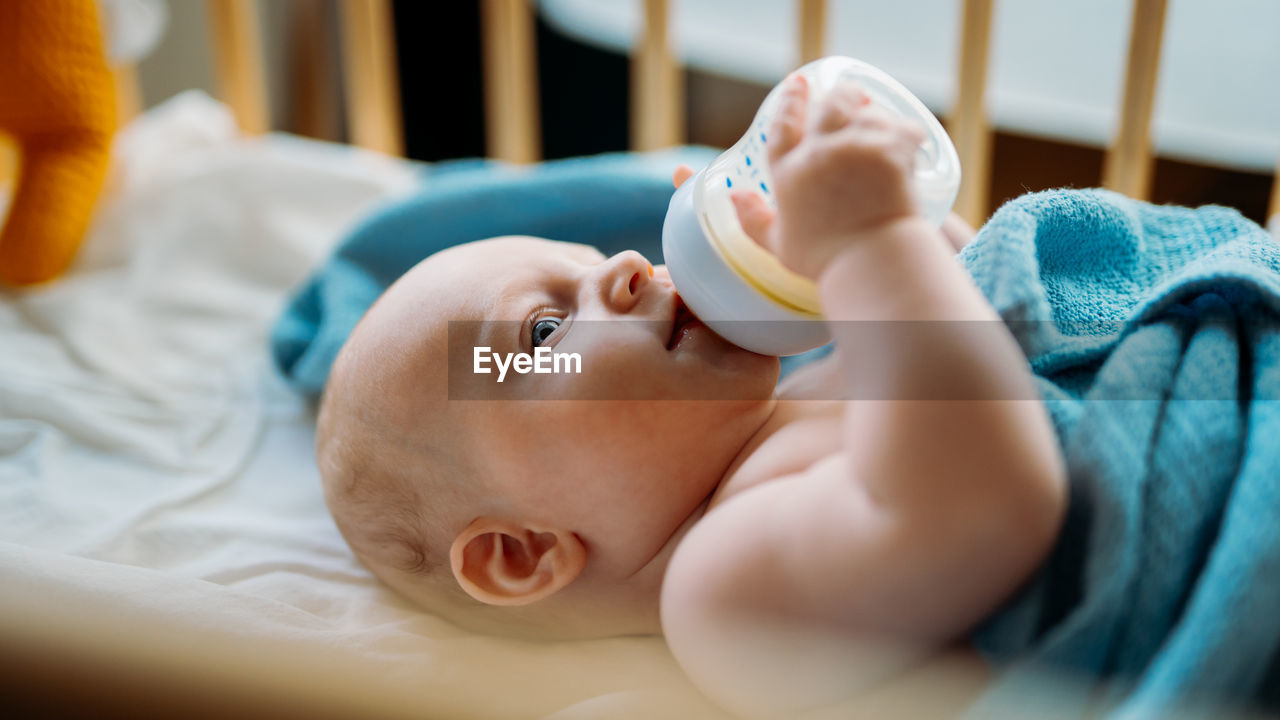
(657, 109)
(156, 609)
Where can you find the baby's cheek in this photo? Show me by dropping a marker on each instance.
(617, 340)
(629, 371)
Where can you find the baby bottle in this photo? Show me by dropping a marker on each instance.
(737, 288)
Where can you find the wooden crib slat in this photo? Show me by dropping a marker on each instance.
(128, 93)
(8, 170)
(970, 129)
(512, 128)
(314, 88)
(813, 29)
(372, 83)
(238, 62)
(1273, 208)
(1128, 165)
(657, 84)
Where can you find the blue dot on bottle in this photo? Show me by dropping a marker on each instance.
(763, 139)
(748, 161)
(762, 187)
(728, 182)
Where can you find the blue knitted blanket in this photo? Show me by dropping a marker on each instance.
(1154, 333)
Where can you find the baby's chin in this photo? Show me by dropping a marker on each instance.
(724, 371)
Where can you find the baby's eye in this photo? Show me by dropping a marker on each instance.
(543, 329)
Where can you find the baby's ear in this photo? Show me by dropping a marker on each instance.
(500, 562)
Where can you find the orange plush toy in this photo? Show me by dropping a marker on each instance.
(57, 104)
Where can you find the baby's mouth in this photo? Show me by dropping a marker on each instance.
(682, 318)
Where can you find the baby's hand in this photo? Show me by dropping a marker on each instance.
(836, 176)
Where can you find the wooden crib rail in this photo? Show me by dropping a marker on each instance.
(657, 92)
(370, 77)
(969, 127)
(369, 70)
(128, 93)
(813, 29)
(1273, 207)
(1128, 164)
(657, 84)
(512, 127)
(238, 68)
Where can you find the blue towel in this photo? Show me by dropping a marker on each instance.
(1154, 333)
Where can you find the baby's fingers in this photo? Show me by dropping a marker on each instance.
(787, 127)
(754, 214)
(845, 102)
(914, 133)
(682, 172)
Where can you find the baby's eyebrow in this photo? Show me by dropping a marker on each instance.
(499, 328)
(590, 250)
(501, 336)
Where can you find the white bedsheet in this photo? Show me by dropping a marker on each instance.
(156, 478)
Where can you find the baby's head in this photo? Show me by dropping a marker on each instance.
(548, 503)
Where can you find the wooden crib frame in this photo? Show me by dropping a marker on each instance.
(657, 89)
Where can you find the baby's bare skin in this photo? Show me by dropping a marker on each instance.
(853, 538)
(796, 548)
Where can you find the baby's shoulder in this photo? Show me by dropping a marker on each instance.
(802, 433)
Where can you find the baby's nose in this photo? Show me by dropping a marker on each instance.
(637, 278)
(628, 273)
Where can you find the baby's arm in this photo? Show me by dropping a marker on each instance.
(944, 498)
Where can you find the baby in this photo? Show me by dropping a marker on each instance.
(793, 548)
